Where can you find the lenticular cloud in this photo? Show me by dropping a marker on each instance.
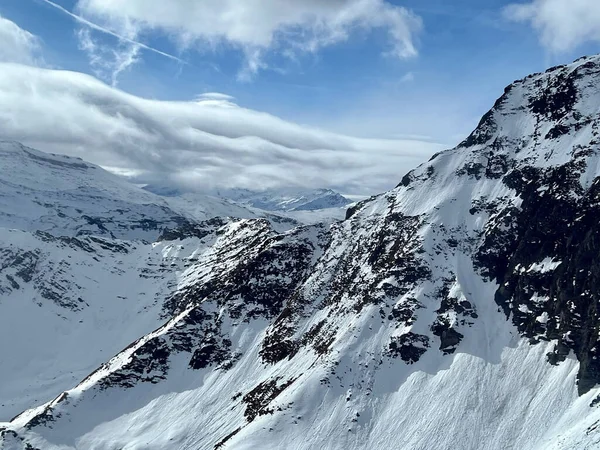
(208, 142)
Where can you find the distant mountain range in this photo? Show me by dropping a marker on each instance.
(297, 206)
(288, 199)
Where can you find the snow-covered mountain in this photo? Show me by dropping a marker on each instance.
(285, 208)
(201, 207)
(457, 311)
(288, 199)
(204, 206)
(67, 196)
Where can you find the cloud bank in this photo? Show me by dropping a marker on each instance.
(257, 27)
(563, 25)
(109, 61)
(202, 144)
(17, 45)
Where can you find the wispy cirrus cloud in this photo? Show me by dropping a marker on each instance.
(121, 37)
(109, 61)
(260, 27)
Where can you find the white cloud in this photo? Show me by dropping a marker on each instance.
(208, 143)
(108, 62)
(216, 99)
(407, 77)
(259, 26)
(562, 25)
(215, 96)
(120, 37)
(16, 44)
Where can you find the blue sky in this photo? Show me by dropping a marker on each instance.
(464, 56)
(467, 53)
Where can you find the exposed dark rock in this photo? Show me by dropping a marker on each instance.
(409, 347)
(275, 349)
(149, 363)
(472, 170)
(449, 337)
(404, 311)
(189, 229)
(258, 400)
(210, 352)
(557, 96)
(557, 222)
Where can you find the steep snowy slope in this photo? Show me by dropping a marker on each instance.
(66, 304)
(458, 311)
(71, 294)
(67, 196)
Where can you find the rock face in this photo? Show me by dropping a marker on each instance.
(457, 311)
(543, 252)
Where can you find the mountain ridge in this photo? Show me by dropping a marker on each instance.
(67, 196)
(456, 311)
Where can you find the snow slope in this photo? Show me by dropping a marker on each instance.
(67, 196)
(457, 311)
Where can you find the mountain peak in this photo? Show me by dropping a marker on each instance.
(543, 105)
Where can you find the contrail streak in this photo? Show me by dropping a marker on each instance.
(112, 33)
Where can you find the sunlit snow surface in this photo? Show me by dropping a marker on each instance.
(323, 369)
